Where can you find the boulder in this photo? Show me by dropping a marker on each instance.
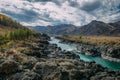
(28, 75)
(9, 67)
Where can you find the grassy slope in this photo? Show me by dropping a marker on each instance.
(97, 40)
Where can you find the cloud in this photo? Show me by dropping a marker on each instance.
(73, 3)
(90, 6)
(53, 12)
(39, 0)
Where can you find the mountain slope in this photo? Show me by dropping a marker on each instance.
(116, 31)
(11, 30)
(8, 24)
(116, 24)
(96, 28)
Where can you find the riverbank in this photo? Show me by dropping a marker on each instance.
(106, 47)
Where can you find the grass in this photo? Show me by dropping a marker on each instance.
(97, 40)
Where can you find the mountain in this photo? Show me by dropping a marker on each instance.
(116, 31)
(42, 29)
(98, 28)
(62, 29)
(57, 29)
(116, 24)
(94, 28)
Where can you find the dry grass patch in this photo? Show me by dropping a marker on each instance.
(98, 40)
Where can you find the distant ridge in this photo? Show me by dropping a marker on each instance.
(94, 28)
(57, 29)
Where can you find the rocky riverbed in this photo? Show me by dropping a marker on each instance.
(39, 60)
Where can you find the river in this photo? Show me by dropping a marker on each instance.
(97, 60)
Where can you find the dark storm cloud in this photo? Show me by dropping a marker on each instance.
(25, 16)
(29, 16)
(73, 4)
(88, 6)
(118, 6)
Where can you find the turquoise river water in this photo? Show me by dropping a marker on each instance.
(97, 60)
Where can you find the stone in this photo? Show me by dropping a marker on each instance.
(9, 67)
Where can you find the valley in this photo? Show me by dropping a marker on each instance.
(59, 39)
(28, 55)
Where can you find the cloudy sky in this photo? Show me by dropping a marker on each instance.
(53, 12)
